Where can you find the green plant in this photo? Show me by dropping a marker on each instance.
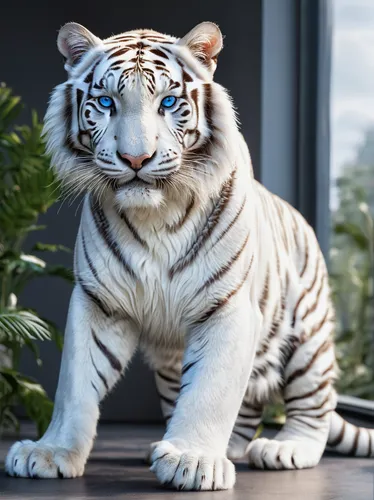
(352, 285)
(27, 189)
(352, 273)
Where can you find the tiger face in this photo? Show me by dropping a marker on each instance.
(138, 115)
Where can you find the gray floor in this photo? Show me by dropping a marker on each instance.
(116, 470)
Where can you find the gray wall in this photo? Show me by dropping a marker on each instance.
(31, 65)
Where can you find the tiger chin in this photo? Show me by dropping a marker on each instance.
(183, 255)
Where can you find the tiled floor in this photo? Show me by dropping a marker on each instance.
(116, 471)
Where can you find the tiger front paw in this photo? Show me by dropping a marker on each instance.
(38, 460)
(191, 470)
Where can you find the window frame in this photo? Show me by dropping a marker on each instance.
(295, 120)
(295, 107)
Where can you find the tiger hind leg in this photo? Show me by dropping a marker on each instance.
(167, 380)
(246, 425)
(309, 399)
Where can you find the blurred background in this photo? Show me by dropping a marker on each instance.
(301, 73)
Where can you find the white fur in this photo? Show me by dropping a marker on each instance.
(156, 296)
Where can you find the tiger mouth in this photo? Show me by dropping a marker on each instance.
(136, 182)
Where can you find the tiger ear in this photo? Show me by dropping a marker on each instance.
(73, 41)
(205, 41)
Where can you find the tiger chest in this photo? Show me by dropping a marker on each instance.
(159, 304)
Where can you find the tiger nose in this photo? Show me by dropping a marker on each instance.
(136, 162)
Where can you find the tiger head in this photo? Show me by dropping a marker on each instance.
(140, 116)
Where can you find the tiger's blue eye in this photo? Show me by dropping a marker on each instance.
(106, 101)
(169, 101)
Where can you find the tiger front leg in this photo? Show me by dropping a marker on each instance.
(216, 368)
(97, 348)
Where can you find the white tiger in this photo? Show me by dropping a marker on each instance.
(182, 254)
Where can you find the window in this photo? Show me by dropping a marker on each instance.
(352, 192)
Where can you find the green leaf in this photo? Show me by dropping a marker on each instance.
(8, 420)
(35, 227)
(10, 376)
(60, 271)
(56, 335)
(47, 247)
(23, 325)
(22, 268)
(274, 414)
(259, 431)
(34, 348)
(30, 394)
(36, 402)
(354, 232)
(28, 186)
(10, 107)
